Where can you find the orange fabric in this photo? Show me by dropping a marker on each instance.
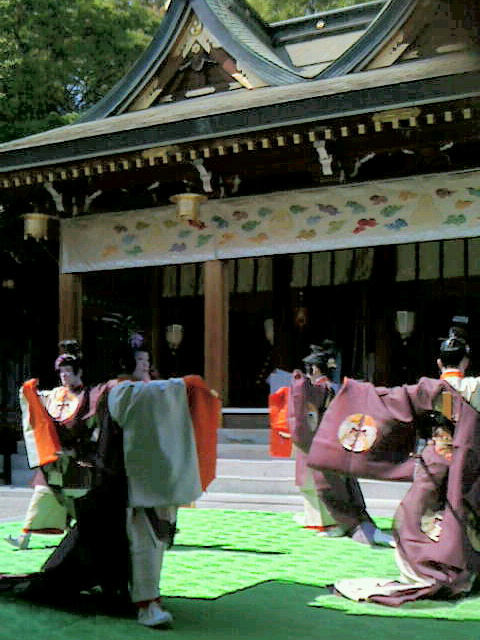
(452, 374)
(46, 437)
(205, 409)
(280, 437)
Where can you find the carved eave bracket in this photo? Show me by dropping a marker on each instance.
(197, 65)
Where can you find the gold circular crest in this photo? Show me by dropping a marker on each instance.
(62, 404)
(357, 432)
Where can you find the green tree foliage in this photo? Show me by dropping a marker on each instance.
(272, 10)
(58, 57)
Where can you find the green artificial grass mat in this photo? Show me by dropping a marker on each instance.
(464, 609)
(268, 611)
(221, 554)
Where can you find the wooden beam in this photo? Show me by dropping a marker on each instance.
(216, 328)
(70, 303)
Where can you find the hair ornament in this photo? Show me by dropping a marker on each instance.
(136, 340)
(70, 352)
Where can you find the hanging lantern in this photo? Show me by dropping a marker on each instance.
(300, 314)
(36, 225)
(269, 330)
(405, 323)
(174, 336)
(188, 205)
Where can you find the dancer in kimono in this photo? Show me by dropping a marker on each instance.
(437, 528)
(334, 502)
(318, 364)
(155, 450)
(169, 453)
(63, 474)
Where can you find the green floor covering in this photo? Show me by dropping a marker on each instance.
(243, 574)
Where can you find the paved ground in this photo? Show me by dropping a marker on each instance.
(13, 503)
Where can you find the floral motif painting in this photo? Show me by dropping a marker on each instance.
(391, 212)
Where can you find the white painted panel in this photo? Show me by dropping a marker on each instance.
(187, 280)
(265, 274)
(453, 258)
(321, 267)
(474, 257)
(363, 263)
(245, 275)
(429, 260)
(300, 270)
(170, 281)
(343, 266)
(405, 262)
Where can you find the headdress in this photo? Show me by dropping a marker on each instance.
(455, 347)
(126, 329)
(130, 340)
(323, 356)
(70, 354)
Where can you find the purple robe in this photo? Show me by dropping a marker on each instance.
(437, 524)
(367, 432)
(340, 493)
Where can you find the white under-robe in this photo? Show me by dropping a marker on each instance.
(161, 464)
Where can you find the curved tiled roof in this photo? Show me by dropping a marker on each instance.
(390, 18)
(344, 87)
(232, 113)
(241, 32)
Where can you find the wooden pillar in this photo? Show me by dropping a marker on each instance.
(216, 328)
(70, 303)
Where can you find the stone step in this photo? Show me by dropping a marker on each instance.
(278, 467)
(383, 489)
(19, 461)
(280, 503)
(233, 418)
(243, 451)
(250, 501)
(248, 482)
(243, 436)
(14, 503)
(21, 477)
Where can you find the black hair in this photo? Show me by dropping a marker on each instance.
(322, 356)
(429, 422)
(70, 355)
(126, 358)
(454, 348)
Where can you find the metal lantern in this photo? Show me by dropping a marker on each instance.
(36, 225)
(269, 330)
(404, 323)
(174, 336)
(188, 205)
